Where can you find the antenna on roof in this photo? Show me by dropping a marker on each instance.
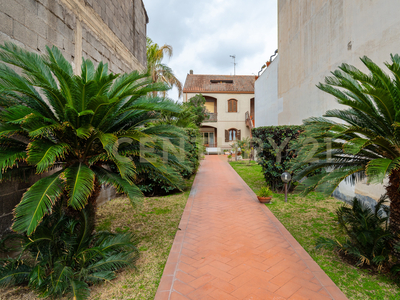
(234, 63)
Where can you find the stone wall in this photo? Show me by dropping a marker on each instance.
(10, 195)
(112, 31)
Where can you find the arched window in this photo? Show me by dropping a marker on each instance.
(232, 105)
(232, 135)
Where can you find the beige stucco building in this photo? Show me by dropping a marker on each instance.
(230, 105)
(314, 38)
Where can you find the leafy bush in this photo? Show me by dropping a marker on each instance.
(369, 237)
(151, 183)
(62, 257)
(273, 151)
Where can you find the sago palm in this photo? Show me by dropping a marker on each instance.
(62, 257)
(366, 141)
(79, 132)
(159, 71)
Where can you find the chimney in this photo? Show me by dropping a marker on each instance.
(191, 72)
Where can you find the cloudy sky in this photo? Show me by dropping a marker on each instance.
(204, 33)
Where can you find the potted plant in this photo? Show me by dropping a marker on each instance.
(264, 195)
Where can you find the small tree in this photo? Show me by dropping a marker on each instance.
(87, 129)
(79, 132)
(366, 144)
(196, 107)
(245, 146)
(159, 71)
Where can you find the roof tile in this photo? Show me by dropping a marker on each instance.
(219, 83)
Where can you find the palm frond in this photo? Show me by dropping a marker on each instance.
(80, 184)
(44, 154)
(79, 290)
(36, 202)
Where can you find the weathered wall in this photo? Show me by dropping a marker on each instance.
(112, 31)
(315, 37)
(10, 195)
(267, 105)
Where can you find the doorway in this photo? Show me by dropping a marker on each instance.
(209, 139)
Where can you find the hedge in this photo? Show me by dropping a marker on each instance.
(272, 144)
(152, 184)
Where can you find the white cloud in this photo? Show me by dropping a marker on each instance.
(205, 33)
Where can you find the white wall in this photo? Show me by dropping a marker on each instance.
(267, 105)
(313, 41)
(315, 37)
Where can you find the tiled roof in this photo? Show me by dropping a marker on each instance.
(219, 84)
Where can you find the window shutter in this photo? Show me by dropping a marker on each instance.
(238, 135)
(229, 105)
(226, 136)
(234, 106)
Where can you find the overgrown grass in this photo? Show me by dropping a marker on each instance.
(155, 222)
(309, 217)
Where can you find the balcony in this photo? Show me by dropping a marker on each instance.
(212, 117)
(249, 120)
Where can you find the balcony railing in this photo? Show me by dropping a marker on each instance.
(210, 145)
(249, 120)
(212, 117)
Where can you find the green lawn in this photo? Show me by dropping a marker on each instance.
(309, 217)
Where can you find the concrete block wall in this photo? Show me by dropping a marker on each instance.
(10, 195)
(112, 31)
(117, 14)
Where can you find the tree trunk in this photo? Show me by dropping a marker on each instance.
(393, 192)
(394, 195)
(91, 206)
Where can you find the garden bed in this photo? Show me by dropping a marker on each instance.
(307, 218)
(154, 222)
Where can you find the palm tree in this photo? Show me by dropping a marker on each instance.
(366, 143)
(158, 71)
(79, 132)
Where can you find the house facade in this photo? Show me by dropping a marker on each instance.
(229, 104)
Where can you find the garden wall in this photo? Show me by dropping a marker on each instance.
(112, 31)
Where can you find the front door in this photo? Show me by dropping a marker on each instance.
(208, 139)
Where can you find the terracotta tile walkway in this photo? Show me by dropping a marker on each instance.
(232, 247)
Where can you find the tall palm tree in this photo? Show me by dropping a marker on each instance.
(366, 143)
(87, 130)
(158, 71)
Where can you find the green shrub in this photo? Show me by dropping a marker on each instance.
(62, 257)
(368, 239)
(152, 183)
(273, 151)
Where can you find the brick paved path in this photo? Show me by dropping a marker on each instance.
(232, 247)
